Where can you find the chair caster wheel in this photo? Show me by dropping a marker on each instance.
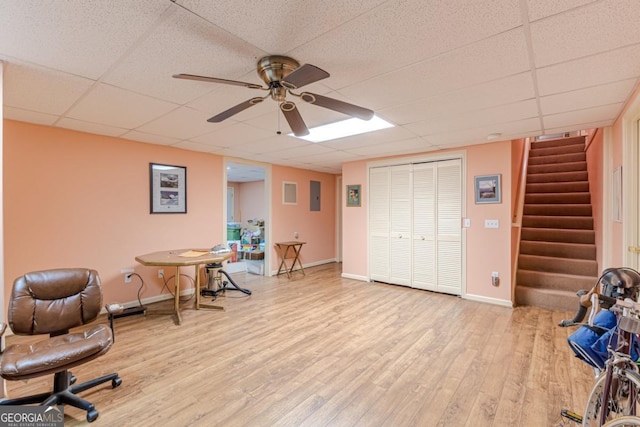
(92, 414)
(116, 382)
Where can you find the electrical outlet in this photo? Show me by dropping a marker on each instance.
(127, 274)
(160, 273)
(491, 223)
(295, 235)
(495, 278)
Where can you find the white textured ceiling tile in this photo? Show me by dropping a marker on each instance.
(232, 136)
(194, 146)
(38, 89)
(490, 59)
(276, 26)
(542, 8)
(595, 70)
(304, 148)
(474, 119)
(270, 144)
(589, 97)
(586, 115)
(89, 127)
(385, 135)
(185, 44)
(503, 91)
(407, 31)
(181, 123)
(579, 127)
(80, 37)
(109, 105)
(601, 26)
(21, 115)
(149, 138)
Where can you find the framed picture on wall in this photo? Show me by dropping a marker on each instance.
(487, 189)
(353, 195)
(168, 188)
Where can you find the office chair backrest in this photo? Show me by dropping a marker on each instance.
(53, 301)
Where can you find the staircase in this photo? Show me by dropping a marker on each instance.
(557, 244)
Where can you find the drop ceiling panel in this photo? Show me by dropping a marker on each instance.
(64, 35)
(590, 97)
(84, 126)
(503, 91)
(37, 89)
(586, 31)
(232, 136)
(18, 114)
(542, 8)
(586, 115)
(278, 27)
(112, 106)
(183, 43)
(181, 123)
(599, 69)
(150, 138)
(487, 60)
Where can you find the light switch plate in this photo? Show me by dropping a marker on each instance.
(491, 223)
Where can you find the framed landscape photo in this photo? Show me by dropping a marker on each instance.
(487, 189)
(168, 188)
(353, 195)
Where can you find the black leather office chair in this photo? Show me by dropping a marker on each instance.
(52, 302)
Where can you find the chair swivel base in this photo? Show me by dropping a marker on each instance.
(65, 394)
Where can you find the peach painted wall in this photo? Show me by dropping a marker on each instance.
(488, 250)
(252, 201)
(74, 199)
(595, 155)
(317, 229)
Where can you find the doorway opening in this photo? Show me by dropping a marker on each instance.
(246, 217)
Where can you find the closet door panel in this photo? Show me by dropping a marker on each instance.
(449, 227)
(379, 224)
(424, 225)
(400, 236)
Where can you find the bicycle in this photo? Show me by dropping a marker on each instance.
(614, 399)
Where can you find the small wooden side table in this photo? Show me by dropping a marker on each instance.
(289, 250)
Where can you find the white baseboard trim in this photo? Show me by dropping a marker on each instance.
(489, 300)
(311, 264)
(355, 277)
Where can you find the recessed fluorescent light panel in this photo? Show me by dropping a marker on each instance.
(344, 128)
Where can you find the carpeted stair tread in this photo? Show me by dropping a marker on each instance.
(580, 267)
(558, 187)
(564, 222)
(558, 177)
(550, 299)
(581, 209)
(558, 249)
(558, 198)
(558, 142)
(562, 158)
(558, 281)
(557, 235)
(557, 167)
(557, 150)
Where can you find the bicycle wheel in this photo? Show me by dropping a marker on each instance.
(626, 421)
(621, 400)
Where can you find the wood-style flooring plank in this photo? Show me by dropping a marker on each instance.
(322, 350)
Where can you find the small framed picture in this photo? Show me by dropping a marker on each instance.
(168, 188)
(487, 189)
(353, 195)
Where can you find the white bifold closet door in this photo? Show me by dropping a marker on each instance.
(415, 225)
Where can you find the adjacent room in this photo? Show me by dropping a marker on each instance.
(290, 213)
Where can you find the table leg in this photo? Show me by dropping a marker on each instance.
(282, 262)
(177, 295)
(197, 281)
(297, 259)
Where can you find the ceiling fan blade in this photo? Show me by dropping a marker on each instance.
(235, 110)
(294, 118)
(304, 75)
(217, 80)
(340, 106)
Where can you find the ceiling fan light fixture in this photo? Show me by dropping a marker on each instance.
(345, 128)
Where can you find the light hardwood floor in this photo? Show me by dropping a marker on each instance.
(321, 350)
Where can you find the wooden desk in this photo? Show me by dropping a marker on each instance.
(173, 259)
(288, 250)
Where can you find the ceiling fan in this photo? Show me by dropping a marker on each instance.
(282, 75)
